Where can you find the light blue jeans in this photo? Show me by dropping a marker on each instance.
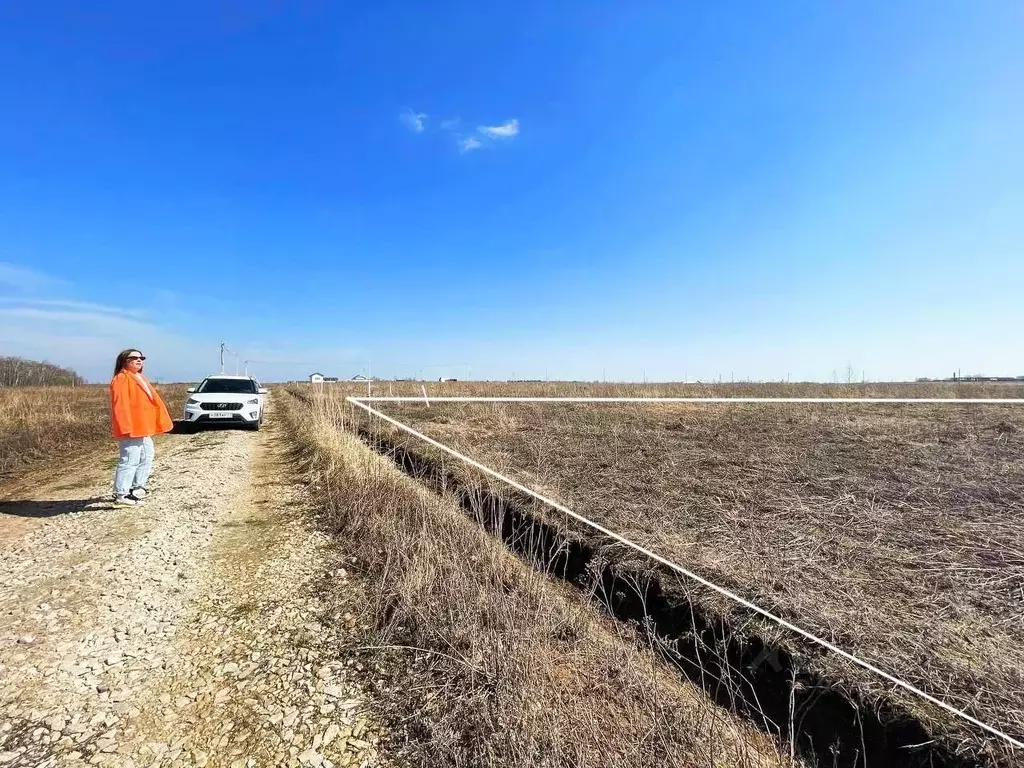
(134, 466)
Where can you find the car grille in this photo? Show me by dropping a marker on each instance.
(221, 406)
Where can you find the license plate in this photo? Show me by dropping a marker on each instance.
(221, 415)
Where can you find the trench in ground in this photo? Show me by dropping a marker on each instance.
(764, 683)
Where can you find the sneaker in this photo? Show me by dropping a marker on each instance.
(138, 494)
(126, 501)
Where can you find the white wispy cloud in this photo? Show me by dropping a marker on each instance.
(100, 324)
(87, 337)
(466, 142)
(414, 121)
(25, 279)
(39, 322)
(69, 304)
(506, 130)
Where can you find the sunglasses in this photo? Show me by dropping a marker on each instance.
(135, 357)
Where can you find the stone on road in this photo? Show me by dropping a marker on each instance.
(181, 633)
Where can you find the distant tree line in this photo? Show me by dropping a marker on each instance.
(18, 372)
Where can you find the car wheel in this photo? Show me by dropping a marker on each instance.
(255, 426)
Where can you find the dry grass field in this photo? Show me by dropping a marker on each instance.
(489, 662)
(892, 531)
(43, 427)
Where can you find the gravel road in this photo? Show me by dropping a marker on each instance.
(188, 632)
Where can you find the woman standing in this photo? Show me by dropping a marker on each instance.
(137, 413)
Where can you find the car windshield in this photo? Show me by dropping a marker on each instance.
(228, 386)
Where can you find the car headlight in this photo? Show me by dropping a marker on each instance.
(254, 401)
(191, 401)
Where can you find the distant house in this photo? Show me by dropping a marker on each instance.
(359, 377)
(330, 379)
(316, 378)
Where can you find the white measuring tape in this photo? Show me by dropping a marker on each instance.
(668, 563)
(861, 400)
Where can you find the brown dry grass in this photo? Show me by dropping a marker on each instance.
(497, 664)
(47, 426)
(892, 531)
(669, 389)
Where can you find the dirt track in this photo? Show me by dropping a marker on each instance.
(185, 633)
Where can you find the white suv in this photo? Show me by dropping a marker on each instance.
(226, 400)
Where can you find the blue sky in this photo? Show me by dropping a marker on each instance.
(571, 189)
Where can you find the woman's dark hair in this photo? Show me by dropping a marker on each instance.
(122, 359)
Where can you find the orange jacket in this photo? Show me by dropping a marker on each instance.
(134, 413)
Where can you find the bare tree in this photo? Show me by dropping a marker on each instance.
(18, 372)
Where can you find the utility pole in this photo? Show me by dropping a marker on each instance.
(223, 346)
